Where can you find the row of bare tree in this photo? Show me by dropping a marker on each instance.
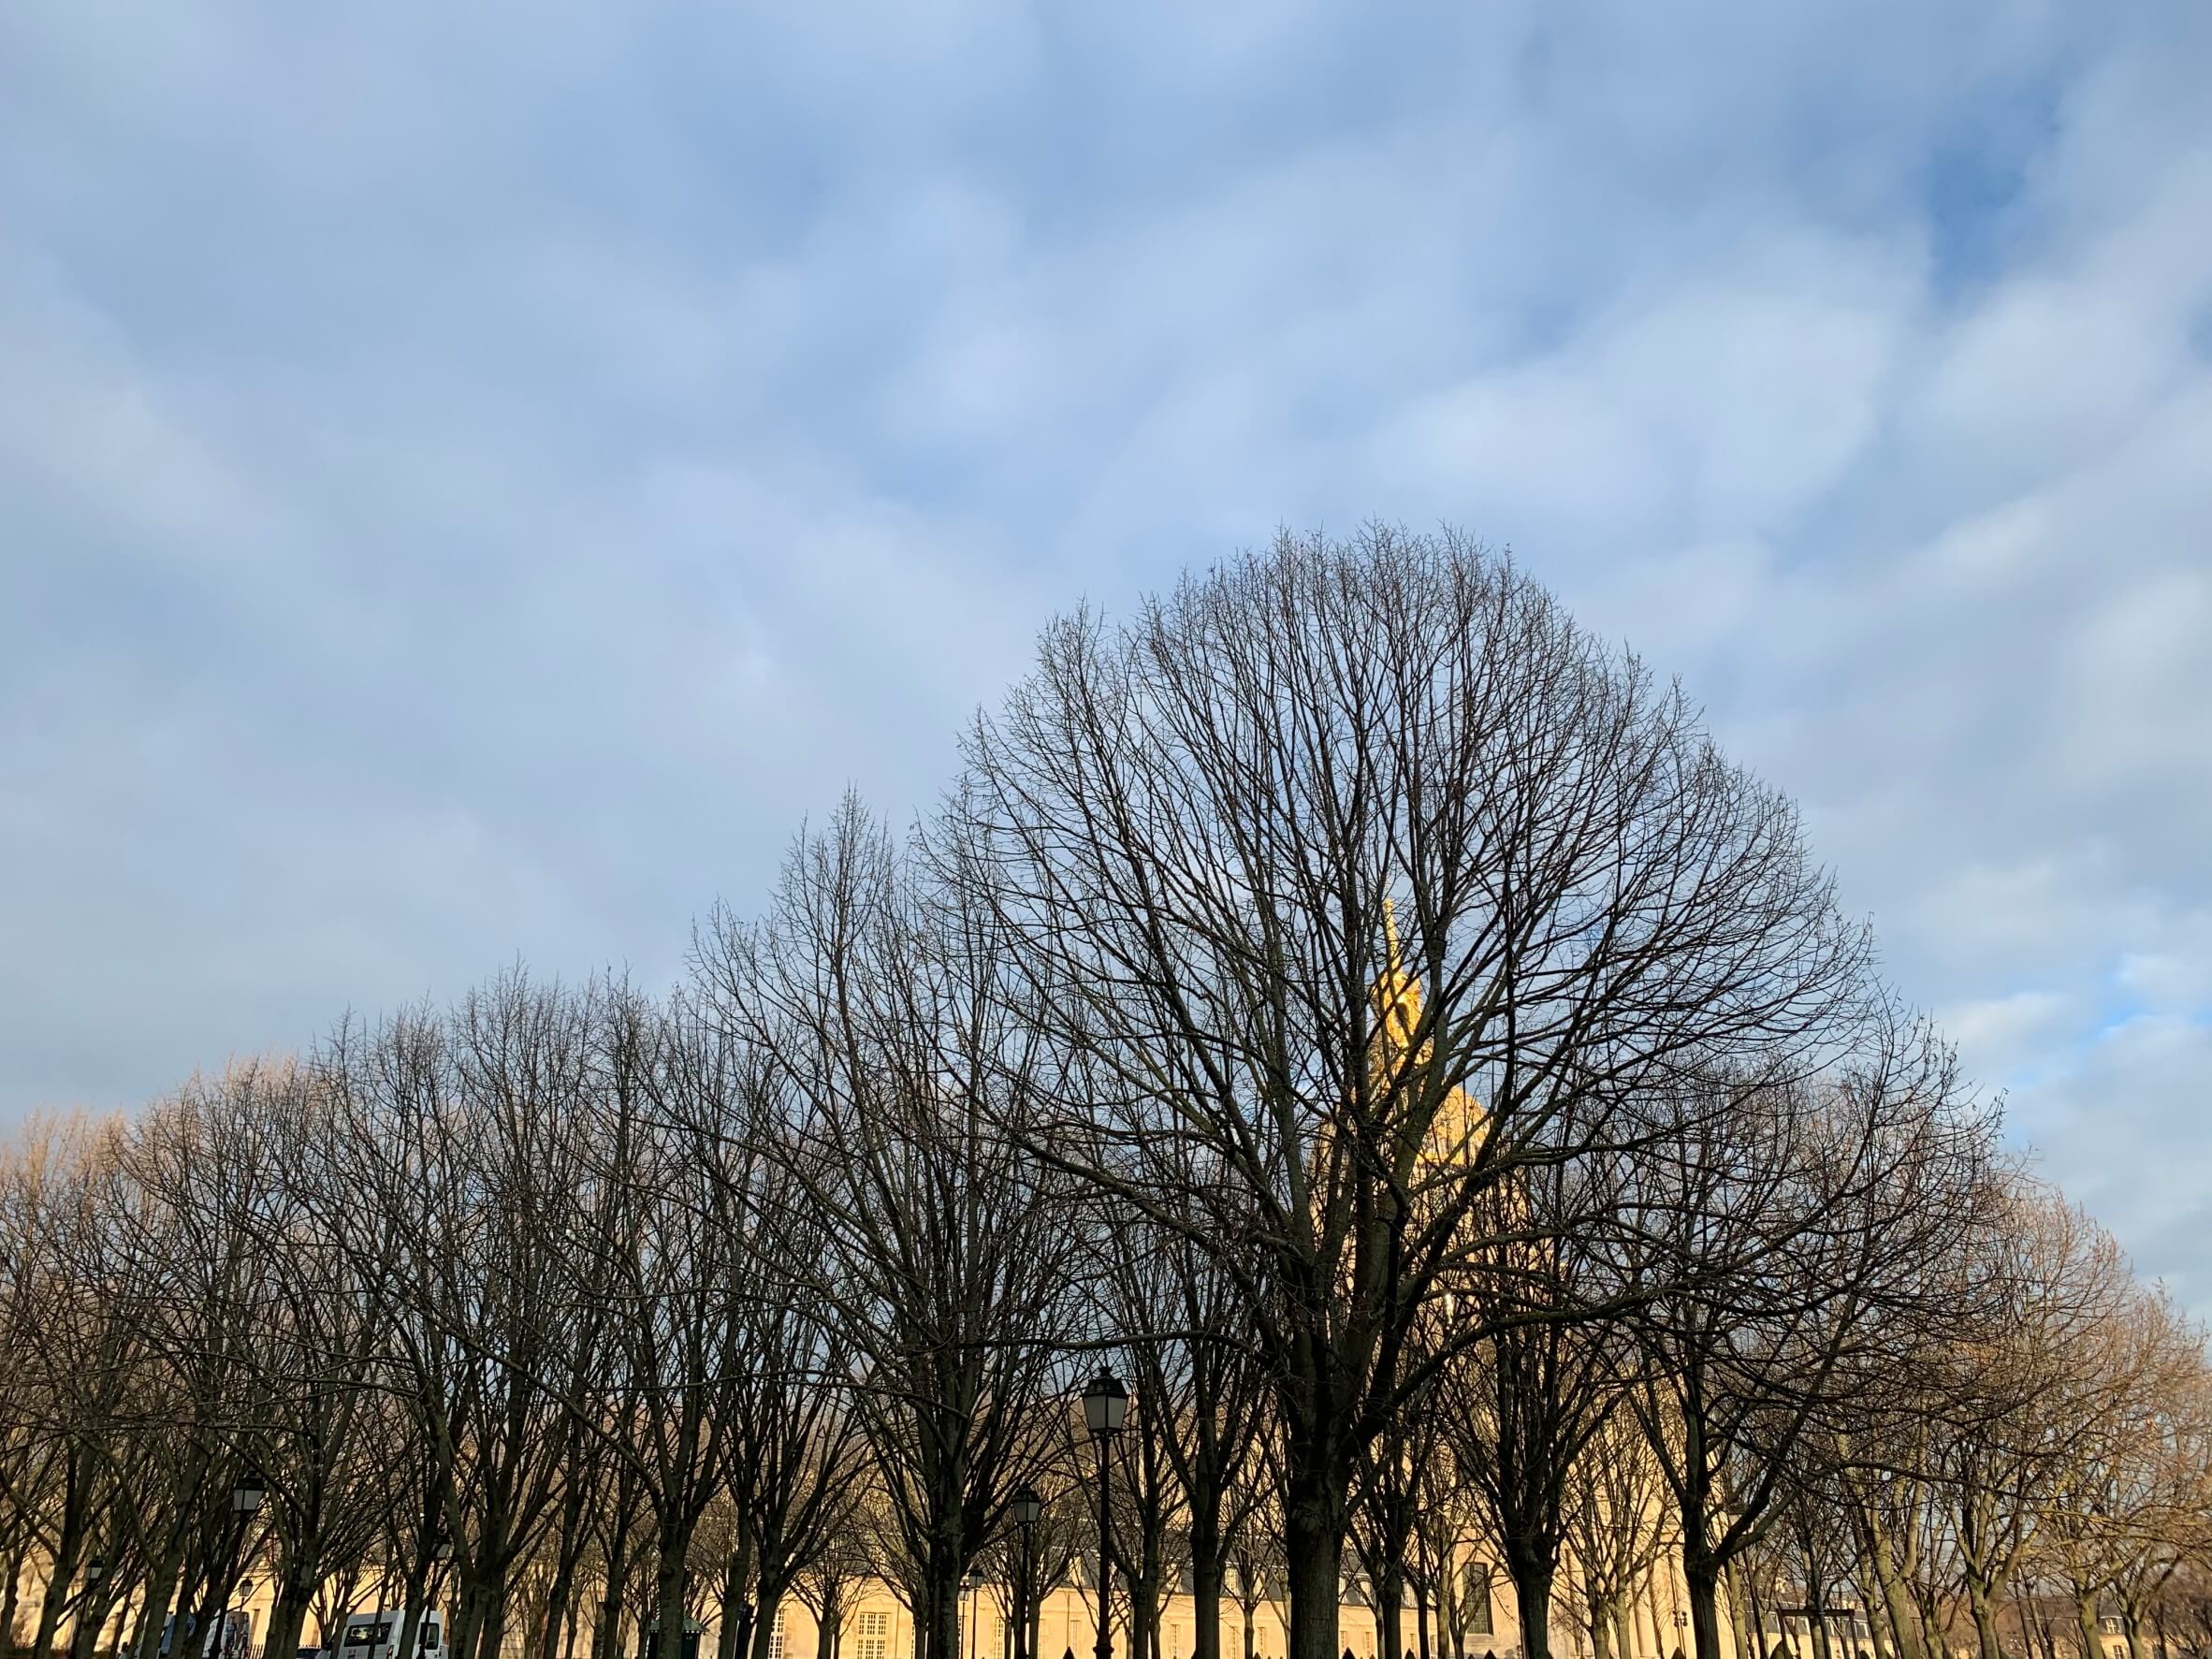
(1347, 998)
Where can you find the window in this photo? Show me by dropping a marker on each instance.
(874, 1637)
(776, 1639)
(1479, 1598)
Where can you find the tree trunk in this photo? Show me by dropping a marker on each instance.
(606, 1629)
(1983, 1607)
(1532, 1590)
(160, 1594)
(287, 1616)
(51, 1606)
(1601, 1634)
(669, 1606)
(1896, 1607)
(763, 1619)
(10, 1599)
(84, 1633)
(1205, 1585)
(68, 1546)
(461, 1635)
(491, 1626)
(731, 1634)
(561, 1596)
(1702, 1580)
(1313, 1546)
(413, 1595)
(560, 1604)
(1740, 1622)
(944, 1626)
(2085, 1610)
(1143, 1614)
(1389, 1614)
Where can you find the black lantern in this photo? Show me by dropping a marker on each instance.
(1105, 1407)
(95, 1570)
(1028, 1506)
(245, 1497)
(443, 1549)
(1105, 1404)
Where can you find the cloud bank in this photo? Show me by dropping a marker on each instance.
(469, 482)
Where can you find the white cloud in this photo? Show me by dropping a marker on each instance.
(472, 484)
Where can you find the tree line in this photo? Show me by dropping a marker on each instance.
(1346, 998)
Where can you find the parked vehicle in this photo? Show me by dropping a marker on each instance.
(376, 1636)
(230, 1636)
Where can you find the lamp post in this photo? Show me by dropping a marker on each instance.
(1028, 1506)
(433, 1585)
(95, 1570)
(246, 1498)
(1105, 1404)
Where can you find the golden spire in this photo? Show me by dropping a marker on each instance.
(1457, 1127)
(1397, 997)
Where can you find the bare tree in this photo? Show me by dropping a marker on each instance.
(677, 1273)
(1818, 1229)
(1202, 1395)
(1189, 828)
(1552, 1282)
(797, 1466)
(1617, 1527)
(468, 1141)
(2009, 1396)
(903, 1047)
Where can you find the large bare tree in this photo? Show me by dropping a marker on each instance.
(1189, 826)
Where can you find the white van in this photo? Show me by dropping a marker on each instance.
(229, 1634)
(376, 1636)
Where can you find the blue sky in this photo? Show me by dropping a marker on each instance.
(472, 479)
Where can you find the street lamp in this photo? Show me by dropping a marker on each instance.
(1105, 1406)
(246, 1498)
(95, 1570)
(1028, 1506)
(441, 1549)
